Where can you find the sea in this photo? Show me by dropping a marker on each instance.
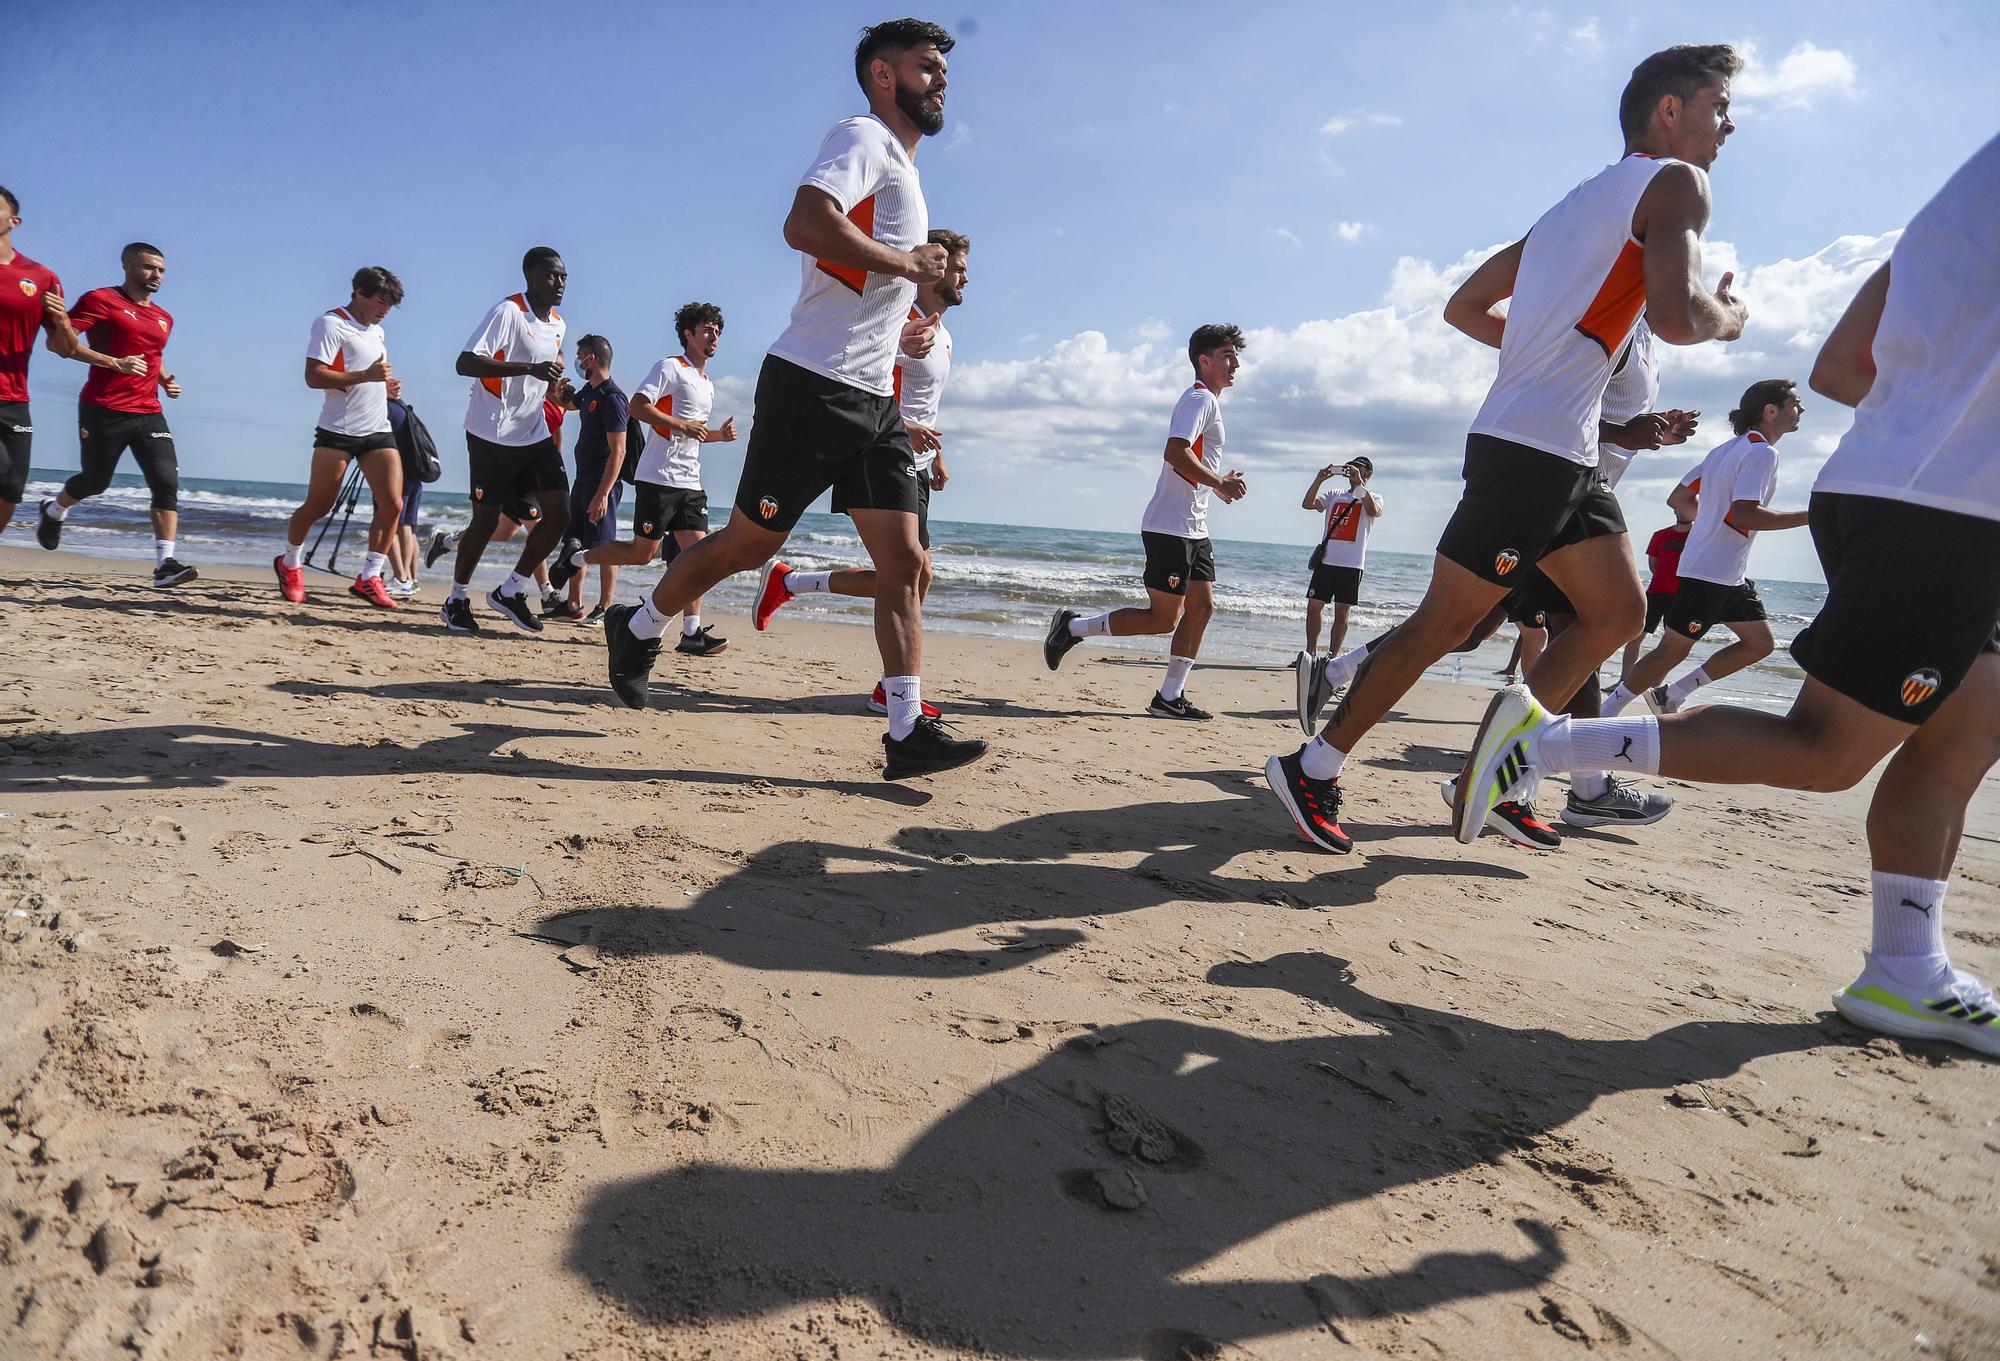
(994, 580)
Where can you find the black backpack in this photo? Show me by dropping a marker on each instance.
(635, 444)
(413, 440)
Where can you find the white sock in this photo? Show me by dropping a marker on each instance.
(1590, 784)
(647, 622)
(690, 625)
(295, 554)
(1679, 690)
(1614, 703)
(1091, 626)
(1627, 744)
(1321, 759)
(460, 590)
(1340, 670)
(162, 550)
(1909, 927)
(906, 704)
(57, 510)
(807, 583)
(576, 556)
(1177, 674)
(373, 564)
(516, 584)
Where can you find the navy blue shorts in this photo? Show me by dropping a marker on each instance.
(586, 531)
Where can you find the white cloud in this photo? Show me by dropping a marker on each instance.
(1351, 231)
(1586, 37)
(961, 133)
(1799, 79)
(1284, 234)
(1342, 123)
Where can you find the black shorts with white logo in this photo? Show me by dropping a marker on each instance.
(809, 433)
(1335, 585)
(1172, 562)
(17, 437)
(1700, 605)
(1521, 504)
(1537, 598)
(103, 437)
(350, 445)
(658, 511)
(1912, 601)
(512, 473)
(1657, 605)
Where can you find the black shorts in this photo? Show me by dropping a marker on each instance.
(350, 445)
(1172, 562)
(1535, 599)
(1700, 605)
(17, 437)
(658, 511)
(1657, 605)
(1912, 601)
(1338, 585)
(513, 473)
(924, 509)
(1520, 505)
(809, 433)
(103, 437)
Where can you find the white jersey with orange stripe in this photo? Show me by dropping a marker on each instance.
(1634, 389)
(920, 385)
(1580, 288)
(846, 322)
(346, 346)
(1741, 469)
(677, 388)
(509, 410)
(1180, 507)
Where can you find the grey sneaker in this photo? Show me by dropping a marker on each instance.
(1659, 703)
(1621, 805)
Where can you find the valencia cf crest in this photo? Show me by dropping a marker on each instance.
(1173, 583)
(767, 506)
(28, 287)
(1919, 686)
(1506, 561)
(162, 321)
(479, 493)
(1694, 628)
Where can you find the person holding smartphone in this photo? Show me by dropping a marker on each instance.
(1348, 514)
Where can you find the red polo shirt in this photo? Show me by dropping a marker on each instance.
(113, 324)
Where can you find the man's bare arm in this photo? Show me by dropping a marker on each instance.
(1845, 369)
(1671, 216)
(817, 227)
(1473, 308)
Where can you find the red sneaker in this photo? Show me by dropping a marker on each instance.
(291, 580)
(771, 593)
(878, 703)
(374, 592)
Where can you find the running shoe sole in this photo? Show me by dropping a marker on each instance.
(1159, 708)
(1307, 668)
(1574, 818)
(1274, 776)
(894, 770)
(175, 578)
(1873, 1007)
(1491, 769)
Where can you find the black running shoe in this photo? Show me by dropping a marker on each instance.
(596, 614)
(439, 545)
(48, 529)
(629, 657)
(457, 615)
(928, 749)
(556, 606)
(1314, 805)
(561, 569)
(1515, 820)
(1162, 707)
(701, 643)
(173, 572)
(1059, 639)
(516, 608)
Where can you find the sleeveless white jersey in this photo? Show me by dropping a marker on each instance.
(1634, 390)
(1580, 288)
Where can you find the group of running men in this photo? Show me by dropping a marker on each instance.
(1896, 661)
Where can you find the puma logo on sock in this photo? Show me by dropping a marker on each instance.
(1924, 908)
(1625, 753)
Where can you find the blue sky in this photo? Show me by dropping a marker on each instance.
(1319, 174)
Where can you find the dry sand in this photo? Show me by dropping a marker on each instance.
(372, 991)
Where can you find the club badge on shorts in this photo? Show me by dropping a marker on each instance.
(767, 506)
(1173, 583)
(1694, 628)
(1506, 561)
(1919, 686)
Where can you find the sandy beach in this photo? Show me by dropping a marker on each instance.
(372, 991)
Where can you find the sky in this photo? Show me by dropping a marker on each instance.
(1321, 175)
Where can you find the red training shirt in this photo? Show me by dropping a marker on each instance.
(115, 325)
(23, 285)
(1666, 547)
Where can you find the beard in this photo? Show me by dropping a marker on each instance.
(930, 123)
(949, 296)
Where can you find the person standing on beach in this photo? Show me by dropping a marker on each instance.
(347, 358)
(600, 464)
(119, 409)
(31, 302)
(1337, 562)
(1623, 242)
(1895, 661)
(1734, 484)
(920, 381)
(513, 359)
(668, 501)
(826, 414)
(1180, 559)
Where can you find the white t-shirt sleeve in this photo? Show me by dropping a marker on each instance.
(850, 167)
(496, 332)
(1760, 471)
(1323, 500)
(1693, 475)
(659, 379)
(323, 344)
(1193, 414)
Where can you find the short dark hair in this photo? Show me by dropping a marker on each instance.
(897, 35)
(1363, 462)
(1210, 338)
(1760, 394)
(139, 248)
(373, 281)
(13, 204)
(1679, 71)
(694, 314)
(536, 255)
(953, 242)
(598, 346)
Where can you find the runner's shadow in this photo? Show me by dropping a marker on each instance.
(991, 1230)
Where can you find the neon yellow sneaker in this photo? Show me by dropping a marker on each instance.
(1499, 763)
(1957, 1007)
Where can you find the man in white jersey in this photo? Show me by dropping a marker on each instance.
(1623, 242)
(1347, 517)
(1734, 485)
(1180, 559)
(347, 358)
(675, 401)
(512, 359)
(826, 415)
(1899, 658)
(920, 383)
